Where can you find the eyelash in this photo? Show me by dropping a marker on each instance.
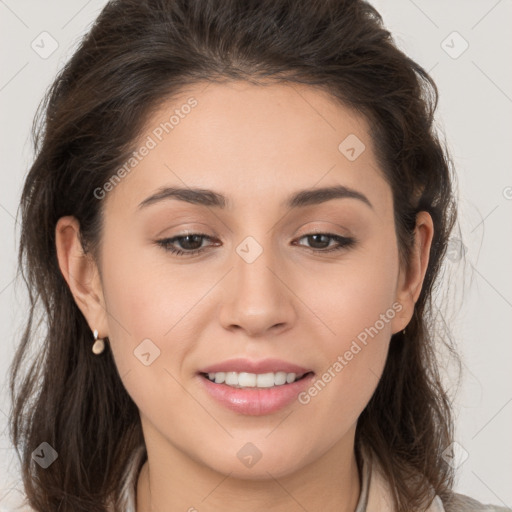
(166, 243)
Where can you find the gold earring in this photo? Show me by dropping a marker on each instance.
(99, 344)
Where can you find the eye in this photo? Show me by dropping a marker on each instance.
(323, 240)
(191, 244)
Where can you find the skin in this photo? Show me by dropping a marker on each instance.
(256, 144)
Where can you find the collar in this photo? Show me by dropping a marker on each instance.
(380, 495)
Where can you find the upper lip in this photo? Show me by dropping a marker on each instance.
(247, 365)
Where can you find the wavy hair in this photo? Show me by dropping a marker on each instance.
(137, 54)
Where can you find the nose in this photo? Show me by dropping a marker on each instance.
(257, 299)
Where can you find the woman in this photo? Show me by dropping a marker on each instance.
(234, 222)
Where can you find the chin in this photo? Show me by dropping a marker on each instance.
(249, 463)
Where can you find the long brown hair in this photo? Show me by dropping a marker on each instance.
(138, 53)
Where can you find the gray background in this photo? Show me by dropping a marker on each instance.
(474, 114)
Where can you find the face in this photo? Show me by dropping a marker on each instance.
(310, 286)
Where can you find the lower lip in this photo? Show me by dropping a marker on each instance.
(259, 401)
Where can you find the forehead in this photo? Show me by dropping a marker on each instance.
(248, 140)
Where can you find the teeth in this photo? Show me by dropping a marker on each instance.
(253, 380)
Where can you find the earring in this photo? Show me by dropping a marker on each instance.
(99, 344)
(403, 332)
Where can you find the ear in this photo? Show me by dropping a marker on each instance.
(410, 280)
(81, 273)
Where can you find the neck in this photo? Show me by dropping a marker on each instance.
(331, 483)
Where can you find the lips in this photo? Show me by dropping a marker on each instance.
(255, 401)
(240, 365)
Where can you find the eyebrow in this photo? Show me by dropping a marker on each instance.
(299, 199)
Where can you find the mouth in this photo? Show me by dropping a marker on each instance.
(255, 394)
(254, 387)
(246, 380)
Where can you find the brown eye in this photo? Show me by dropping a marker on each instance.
(320, 242)
(189, 244)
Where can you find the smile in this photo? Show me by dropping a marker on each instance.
(253, 380)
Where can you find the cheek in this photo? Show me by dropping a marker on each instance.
(148, 312)
(142, 305)
(357, 303)
(147, 295)
(352, 295)
(158, 309)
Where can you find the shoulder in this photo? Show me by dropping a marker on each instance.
(380, 496)
(463, 503)
(17, 502)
